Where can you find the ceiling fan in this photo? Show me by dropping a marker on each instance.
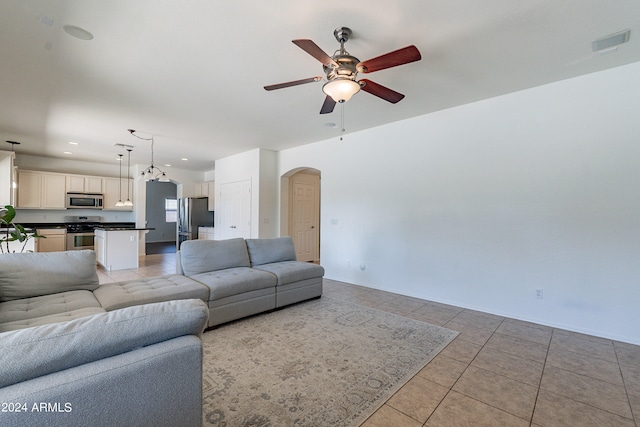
(341, 71)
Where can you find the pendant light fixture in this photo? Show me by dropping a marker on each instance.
(151, 173)
(119, 203)
(128, 202)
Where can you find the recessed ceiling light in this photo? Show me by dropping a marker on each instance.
(77, 32)
(73, 143)
(167, 165)
(68, 152)
(184, 159)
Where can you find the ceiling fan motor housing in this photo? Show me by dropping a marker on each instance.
(347, 67)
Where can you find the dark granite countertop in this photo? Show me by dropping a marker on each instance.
(116, 228)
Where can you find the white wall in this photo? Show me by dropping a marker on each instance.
(482, 204)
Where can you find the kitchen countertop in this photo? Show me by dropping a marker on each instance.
(115, 228)
(64, 224)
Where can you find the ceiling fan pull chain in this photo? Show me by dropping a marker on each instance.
(341, 119)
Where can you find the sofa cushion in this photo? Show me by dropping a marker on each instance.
(113, 296)
(265, 251)
(58, 346)
(52, 318)
(200, 256)
(234, 281)
(292, 271)
(46, 305)
(30, 274)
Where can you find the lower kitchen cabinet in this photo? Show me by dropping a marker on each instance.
(116, 249)
(54, 240)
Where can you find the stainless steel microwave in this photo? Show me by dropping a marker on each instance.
(84, 201)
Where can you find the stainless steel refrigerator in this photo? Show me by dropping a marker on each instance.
(192, 213)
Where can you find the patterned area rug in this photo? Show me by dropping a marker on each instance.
(318, 363)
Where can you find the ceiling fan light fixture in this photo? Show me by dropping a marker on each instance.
(341, 89)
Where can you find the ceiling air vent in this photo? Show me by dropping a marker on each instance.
(610, 41)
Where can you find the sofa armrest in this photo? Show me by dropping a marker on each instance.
(41, 350)
(157, 385)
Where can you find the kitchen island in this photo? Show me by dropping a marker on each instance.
(117, 247)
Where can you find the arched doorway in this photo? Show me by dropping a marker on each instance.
(300, 195)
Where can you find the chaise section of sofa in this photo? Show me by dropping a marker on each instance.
(235, 289)
(296, 281)
(113, 296)
(140, 365)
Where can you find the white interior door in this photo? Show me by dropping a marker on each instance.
(234, 209)
(304, 216)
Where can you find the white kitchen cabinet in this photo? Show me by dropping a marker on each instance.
(84, 184)
(114, 191)
(29, 190)
(16, 246)
(41, 190)
(6, 178)
(55, 240)
(99, 247)
(206, 233)
(212, 196)
(200, 189)
(206, 189)
(116, 249)
(54, 194)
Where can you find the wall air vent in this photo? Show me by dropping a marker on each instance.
(610, 41)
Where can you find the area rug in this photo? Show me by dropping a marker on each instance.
(319, 363)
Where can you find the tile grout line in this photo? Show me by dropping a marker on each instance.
(544, 367)
(624, 383)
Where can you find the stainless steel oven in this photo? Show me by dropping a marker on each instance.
(80, 234)
(78, 241)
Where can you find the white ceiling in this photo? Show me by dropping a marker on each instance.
(192, 72)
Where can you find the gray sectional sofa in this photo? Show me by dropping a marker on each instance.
(246, 277)
(73, 352)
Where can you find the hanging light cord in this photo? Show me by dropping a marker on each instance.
(341, 120)
(150, 169)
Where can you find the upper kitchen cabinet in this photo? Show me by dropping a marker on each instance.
(6, 178)
(206, 189)
(41, 190)
(114, 190)
(84, 184)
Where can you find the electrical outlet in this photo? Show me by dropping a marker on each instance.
(539, 293)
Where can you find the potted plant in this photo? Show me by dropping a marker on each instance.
(11, 232)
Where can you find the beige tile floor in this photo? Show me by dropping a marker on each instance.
(497, 372)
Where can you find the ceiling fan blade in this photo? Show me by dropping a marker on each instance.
(380, 91)
(392, 59)
(314, 50)
(328, 105)
(293, 83)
